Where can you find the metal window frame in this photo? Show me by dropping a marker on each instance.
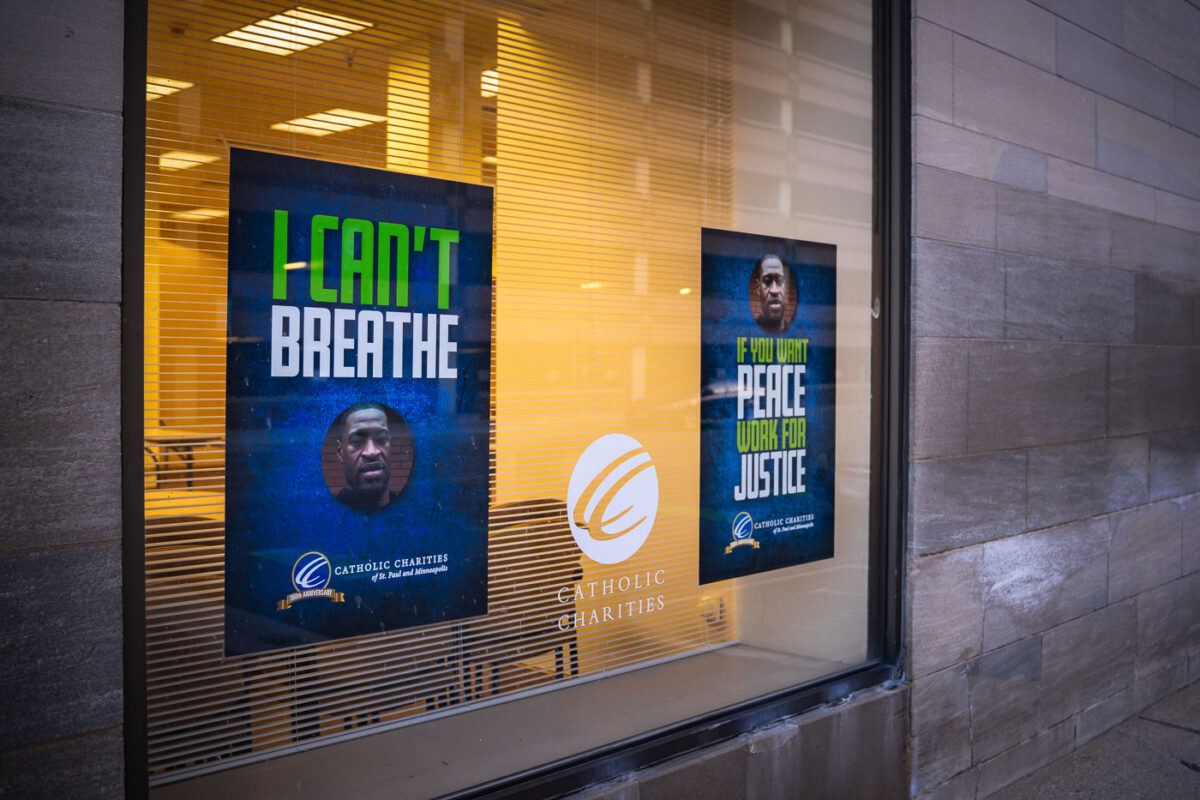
(133, 276)
(891, 235)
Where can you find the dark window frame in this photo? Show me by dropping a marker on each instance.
(891, 238)
(133, 277)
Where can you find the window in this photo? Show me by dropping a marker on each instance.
(630, 153)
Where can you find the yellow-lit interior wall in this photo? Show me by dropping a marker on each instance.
(602, 188)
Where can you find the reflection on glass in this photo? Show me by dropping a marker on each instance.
(613, 132)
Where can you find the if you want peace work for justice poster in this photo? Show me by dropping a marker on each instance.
(768, 335)
(357, 401)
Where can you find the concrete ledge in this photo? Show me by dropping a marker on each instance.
(855, 749)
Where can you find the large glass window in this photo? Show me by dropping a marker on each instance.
(615, 136)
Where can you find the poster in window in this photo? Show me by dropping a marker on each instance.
(357, 401)
(768, 329)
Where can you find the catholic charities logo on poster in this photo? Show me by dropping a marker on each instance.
(310, 577)
(612, 498)
(743, 532)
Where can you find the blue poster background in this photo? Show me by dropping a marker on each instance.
(788, 529)
(279, 506)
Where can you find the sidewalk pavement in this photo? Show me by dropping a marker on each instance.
(1152, 756)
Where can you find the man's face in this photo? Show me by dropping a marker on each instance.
(365, 449)
(771, 287)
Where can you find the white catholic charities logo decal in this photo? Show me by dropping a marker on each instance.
(612, 498)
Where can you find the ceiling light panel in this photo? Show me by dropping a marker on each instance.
(291, 31)
(182, 159)
(161, 87)
(489, 83)
(200, 214)
(323, 123)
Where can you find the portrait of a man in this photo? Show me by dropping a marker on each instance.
(363, 445)
(772, 291)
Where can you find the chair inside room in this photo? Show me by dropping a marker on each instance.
(533, 567)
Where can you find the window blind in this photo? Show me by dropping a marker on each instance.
(607, 132)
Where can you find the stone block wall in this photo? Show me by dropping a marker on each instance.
(1054, 531)
(60, 531)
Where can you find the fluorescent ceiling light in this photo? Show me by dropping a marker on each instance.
(291, 31)
(685, 290)
(489, 83)
(324, 123)
(200, 214)
(591, 285)
(182, 159)
(161, 87)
